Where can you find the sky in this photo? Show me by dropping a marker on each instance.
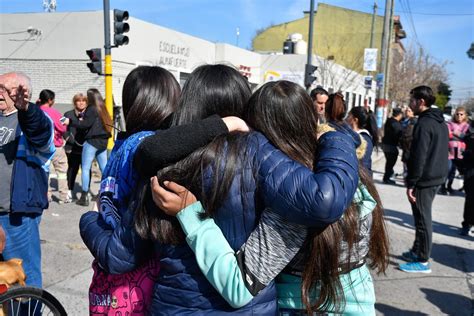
(445, 28)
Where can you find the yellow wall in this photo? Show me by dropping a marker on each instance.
(338, 32)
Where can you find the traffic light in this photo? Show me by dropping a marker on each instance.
(120, 27)
(95, 56)
(309, 75)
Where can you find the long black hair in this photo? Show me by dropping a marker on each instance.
(210, 89)
(150, 94)
(365, 120)
(46, 95)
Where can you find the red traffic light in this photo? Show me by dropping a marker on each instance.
(94, 54)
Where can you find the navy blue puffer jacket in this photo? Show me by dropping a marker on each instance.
(295, 192)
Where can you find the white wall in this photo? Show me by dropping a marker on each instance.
(56, 59)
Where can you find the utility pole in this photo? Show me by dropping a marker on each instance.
(371, 45)
(108, 67)
(389, 60)
(372, 28)
(310, 69)
(381, 101)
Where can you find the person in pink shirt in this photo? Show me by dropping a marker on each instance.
(457, 130)
(59, 161)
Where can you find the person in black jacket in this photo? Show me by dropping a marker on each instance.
(74, 140)
(392, 133)
(467, 168)
(427, 170)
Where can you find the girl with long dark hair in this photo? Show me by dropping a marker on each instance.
(331, 261)
(235, 177)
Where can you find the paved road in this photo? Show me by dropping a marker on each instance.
(448, 290)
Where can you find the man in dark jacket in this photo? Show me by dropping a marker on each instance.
(26, 147)
(427, 170)
(392, 133)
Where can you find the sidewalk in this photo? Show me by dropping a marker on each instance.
(449, 289)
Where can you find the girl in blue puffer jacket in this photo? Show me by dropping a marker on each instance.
(248, 174)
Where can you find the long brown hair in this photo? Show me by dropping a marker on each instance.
(323, 265)
(95, 99)
(285, 114)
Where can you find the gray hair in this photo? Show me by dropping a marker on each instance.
(22, 78)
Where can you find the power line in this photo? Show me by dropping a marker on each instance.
(406, 7)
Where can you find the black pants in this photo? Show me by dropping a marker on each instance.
(390, 160)
(469, 203)
(423, 224)
(74, 162)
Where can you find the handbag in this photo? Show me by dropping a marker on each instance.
(122, 294)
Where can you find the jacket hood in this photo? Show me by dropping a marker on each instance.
(433, 113)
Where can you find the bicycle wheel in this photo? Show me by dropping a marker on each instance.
(30, 301)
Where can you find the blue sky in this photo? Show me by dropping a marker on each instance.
(447, 34)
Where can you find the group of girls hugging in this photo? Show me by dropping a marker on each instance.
(238, 201)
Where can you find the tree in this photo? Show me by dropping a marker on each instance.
(332, 72)
(469, 105)
(444, 95)
(416, 67)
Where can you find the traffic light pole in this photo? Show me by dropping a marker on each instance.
(108, 67)
(310, 40)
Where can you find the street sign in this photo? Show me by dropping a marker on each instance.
(370, 59)
(379, 79)
(368, 82)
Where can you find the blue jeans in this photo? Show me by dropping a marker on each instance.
(89, 152)
(23, 242)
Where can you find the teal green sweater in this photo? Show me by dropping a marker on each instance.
(239, 276)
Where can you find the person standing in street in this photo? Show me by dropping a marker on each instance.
(408, 125)
(59, 161)
(26, 147)
(75, 139)
(457, 130)
(467, 168)
(427, 170)
(390, 140)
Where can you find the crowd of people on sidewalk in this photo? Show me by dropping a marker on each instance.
(80, 135)
(217, 199)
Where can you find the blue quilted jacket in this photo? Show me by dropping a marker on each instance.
(29, 183)
(295, 192)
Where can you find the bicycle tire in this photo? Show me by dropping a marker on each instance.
(38, 294)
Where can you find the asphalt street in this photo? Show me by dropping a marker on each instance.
(448, 290)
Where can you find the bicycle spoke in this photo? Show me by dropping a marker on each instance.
(36, 305)
(18, 310)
